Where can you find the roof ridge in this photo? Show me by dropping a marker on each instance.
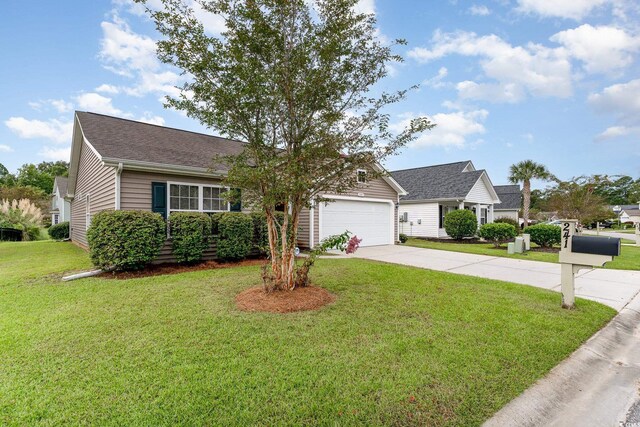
(433, 166)
(159, 126)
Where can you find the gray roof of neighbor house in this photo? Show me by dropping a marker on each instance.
(122, 139)
(446, 181)
(61, 182)
(510, 197)
(632, 212)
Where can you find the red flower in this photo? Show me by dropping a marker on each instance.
(353, 245)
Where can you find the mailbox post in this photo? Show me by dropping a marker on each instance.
(580, 252)
(637, 233)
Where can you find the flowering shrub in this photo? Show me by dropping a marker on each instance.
(342, 242)
(22, 215)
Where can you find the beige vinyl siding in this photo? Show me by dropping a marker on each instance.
(376, 189)
(97, 181)
(304, 228)
(479, 193)
(135, 187)
(426, 213)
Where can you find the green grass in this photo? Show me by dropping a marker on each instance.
(628, 260)
(400, 346)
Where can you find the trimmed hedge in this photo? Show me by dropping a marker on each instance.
(460, 224)
(545, 235)
(235, 235)
(190, 235)
(505, 220)
(403, 238)
(125, 240)
(59, 231)
(497, 232)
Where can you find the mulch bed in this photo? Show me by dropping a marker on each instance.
(172, 268)
(300, 299)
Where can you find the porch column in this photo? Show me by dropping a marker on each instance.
(478, 214)
(490, 214)
(461, 206)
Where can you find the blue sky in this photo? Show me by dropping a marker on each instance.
(554, 81)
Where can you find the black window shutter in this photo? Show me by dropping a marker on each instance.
(237, 207)
(440, 219)
(159, 198)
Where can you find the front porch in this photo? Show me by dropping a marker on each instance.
(484, 213)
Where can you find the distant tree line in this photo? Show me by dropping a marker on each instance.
(32, 181)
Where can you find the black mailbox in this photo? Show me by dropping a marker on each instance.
(609, 246)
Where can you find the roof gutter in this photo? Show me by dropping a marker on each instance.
(135, 165)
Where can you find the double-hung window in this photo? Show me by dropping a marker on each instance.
(197, 198)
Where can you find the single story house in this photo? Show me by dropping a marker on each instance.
(510, 202)
(434, 191)
(630, 213)
(123, 164)
(60, 207)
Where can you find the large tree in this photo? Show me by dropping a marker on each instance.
(578, 199)
(41, 175)
(295, 80)
(523, 172)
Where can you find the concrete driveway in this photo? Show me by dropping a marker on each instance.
(628, 236)
(615, 288)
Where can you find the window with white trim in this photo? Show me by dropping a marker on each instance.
(361, 176)
(212, 200)
(197, 198)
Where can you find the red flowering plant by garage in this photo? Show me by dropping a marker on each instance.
(343, 242)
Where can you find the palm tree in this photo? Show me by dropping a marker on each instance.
(523, 172)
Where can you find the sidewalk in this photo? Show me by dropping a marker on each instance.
(615, 288)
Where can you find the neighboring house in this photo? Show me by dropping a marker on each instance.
(510, 202)
(60, 207)
(630, 213)
(437, 190)
(122, 164)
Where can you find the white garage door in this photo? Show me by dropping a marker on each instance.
(370, 221)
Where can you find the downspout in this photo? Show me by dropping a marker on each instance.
(118, 173)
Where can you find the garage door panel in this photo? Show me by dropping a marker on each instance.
(370, 221)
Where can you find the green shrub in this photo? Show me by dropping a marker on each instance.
(460, 223)
(545, 235)
(190, 235)
(403, 238)
(260, 232)
(497, 232)
(505, 220)
(59, 231)
(32, 233)
(125, 240)
(235, 235)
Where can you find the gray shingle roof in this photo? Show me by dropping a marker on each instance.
(632, 212)
(126, 139)
(437, 182)
(510, 196)
(61, 182)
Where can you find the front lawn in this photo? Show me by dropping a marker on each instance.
(400, 346)
(628, 260)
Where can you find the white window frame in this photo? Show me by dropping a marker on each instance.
(87, 211)
(56, 219)
(358, 176)
(200, 197)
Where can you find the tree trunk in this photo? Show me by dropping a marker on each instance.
(283, 262)
(526, 195)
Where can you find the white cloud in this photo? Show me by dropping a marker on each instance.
(436, 81)
(517, 70)
(528, 136)
(107, 88)
(479, 10)
(154, 120)
(60, 105)
(56, 153)
(54, 130)
(570, 9)
(603, 49)
(623, 101)
(97, 103)
(452, 129)
(366, 6)
(6, 149)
